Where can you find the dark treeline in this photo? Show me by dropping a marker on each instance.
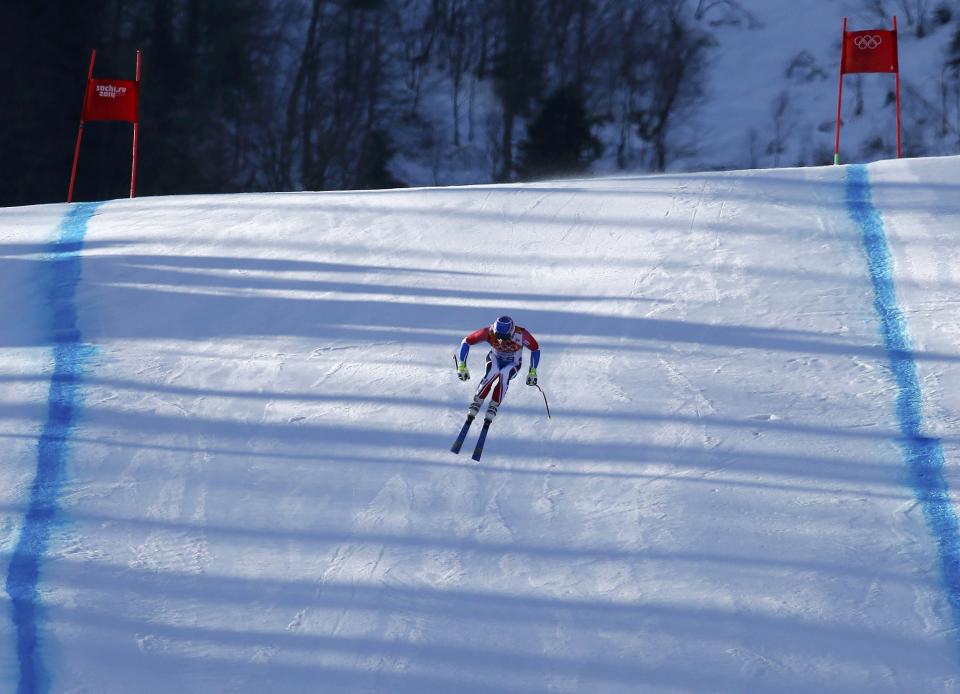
(246, 95)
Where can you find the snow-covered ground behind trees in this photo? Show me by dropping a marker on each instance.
(257, 492)
(769, 98)
(772, 86)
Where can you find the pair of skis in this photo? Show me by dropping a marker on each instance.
(481, 440)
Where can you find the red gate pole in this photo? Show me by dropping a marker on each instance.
(897, 74)
(843, 48)
(133, 168)
(83, 109)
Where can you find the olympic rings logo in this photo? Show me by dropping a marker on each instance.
(868, 42)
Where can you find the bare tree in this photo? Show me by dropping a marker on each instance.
(783, 125)
(518, 71)
(725, 12)
(675, 80)
(627, 69)
(459, 47)
(415, 30)
(299, 111)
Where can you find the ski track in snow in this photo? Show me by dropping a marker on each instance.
(71, 355)
(260, 495)
(923, 454)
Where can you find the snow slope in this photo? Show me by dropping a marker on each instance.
(255, 491)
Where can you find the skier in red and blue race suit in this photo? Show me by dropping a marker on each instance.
(503, 361)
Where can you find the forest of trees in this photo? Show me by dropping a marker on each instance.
(244, 95)
(248, 95)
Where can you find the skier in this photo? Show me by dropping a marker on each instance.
(503, 361)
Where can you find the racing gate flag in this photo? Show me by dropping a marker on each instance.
(873, 50)
(109, 99)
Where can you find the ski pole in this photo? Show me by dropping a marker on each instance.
(544, 401)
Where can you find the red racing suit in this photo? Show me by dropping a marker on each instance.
(503, 360)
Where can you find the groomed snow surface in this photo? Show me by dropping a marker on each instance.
(255, 490)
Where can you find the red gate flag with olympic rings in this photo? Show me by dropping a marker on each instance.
(869, 51)
(872, 50)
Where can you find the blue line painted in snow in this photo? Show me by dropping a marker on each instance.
(923, 454)
(70, 354)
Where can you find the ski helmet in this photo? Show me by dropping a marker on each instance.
(503, 328)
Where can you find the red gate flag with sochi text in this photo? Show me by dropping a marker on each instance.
(869, 51)
(110, 99)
